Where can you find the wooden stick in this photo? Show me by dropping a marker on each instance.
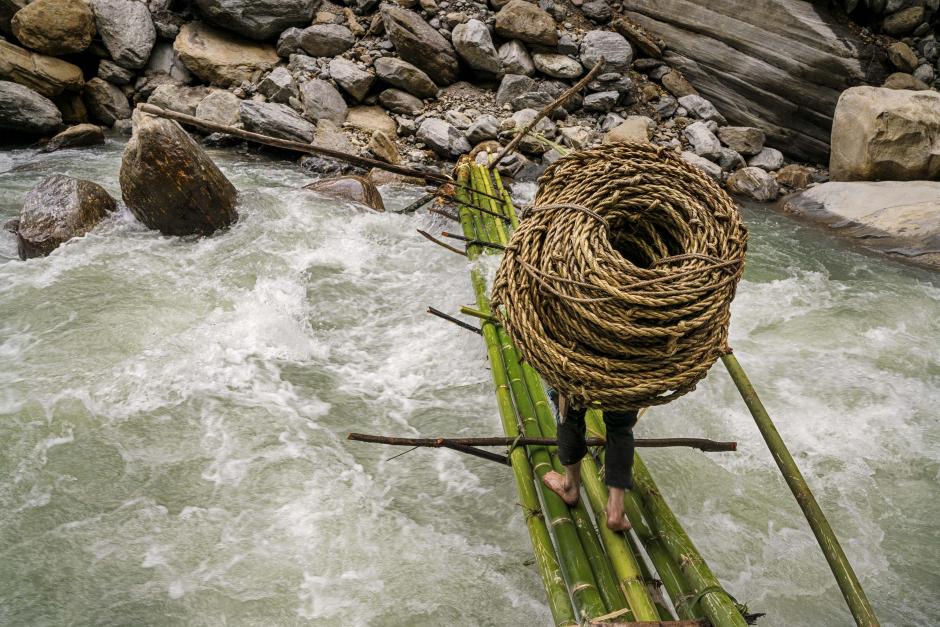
(478, 242)
(562, 99)
(286, 144)
(431, 238)
(702, 444)
(459, 323)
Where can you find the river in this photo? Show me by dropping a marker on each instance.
(173, 414)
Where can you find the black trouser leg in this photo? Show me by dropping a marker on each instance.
(619, 450)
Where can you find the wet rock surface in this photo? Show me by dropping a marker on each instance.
(170, 184)
(58, 209)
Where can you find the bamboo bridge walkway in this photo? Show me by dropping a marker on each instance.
(593, 575)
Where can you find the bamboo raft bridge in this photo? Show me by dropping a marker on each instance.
(650, 575)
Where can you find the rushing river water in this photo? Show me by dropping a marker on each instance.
(173, 414)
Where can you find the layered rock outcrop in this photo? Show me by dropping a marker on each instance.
(777, 64)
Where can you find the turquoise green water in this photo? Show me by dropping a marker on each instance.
(173, 414)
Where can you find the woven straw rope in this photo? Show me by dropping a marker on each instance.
(616, 286)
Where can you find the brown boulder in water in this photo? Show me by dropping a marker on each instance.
(170, 184)
(58, 209)
(355, 188)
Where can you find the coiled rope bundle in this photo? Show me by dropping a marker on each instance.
(616, 286)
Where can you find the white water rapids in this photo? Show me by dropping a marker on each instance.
(173, 414)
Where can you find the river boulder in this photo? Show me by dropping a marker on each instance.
(886, 134)
(474, 44)
(322, 102)
(276, 120)
(43, 74)
(526, 22)
(170, 184)
(898, 218)
(257, 19)
(356, 189)
(127, 30)
(54, 26)
(401, 74)
(76, 136)
(222, 59)
(24, 111)
(418, 43)
(326, 40)
(106, 102)
(58, 209)
(779, 65)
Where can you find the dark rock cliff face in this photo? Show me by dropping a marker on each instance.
(776, 64)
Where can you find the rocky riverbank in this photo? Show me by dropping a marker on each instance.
(748, 97)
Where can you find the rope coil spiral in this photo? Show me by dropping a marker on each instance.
(617, 285)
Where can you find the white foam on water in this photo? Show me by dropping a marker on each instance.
(173, 415)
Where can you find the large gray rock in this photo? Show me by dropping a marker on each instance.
(279, 85)
(326, 40)
(170, 184)
(165, 60)
(354, 80)
(769, 159)
(779, 65)
(404, 75)
(401, 102)
(258, 19)
(512, 86)
(276, 120)
(419, 44)
(179, 98)
(113, 73)
(353, 188)
(106, 102)
(127, 30)
(220, 58)
(711, 169)
(886, 134)
(557, 65)
(55, 26)
(702, 141)
(483, 128)
(76, 137)
(443, 138)
(56, 210)
(755, 183)
(221, 107)
(745, 140)
(701, 109)
(612, 47)
(474, 44)
(322, 102)
(526, 22)
(43, 74)
(899, 218)
(24, 111)
(516, 59)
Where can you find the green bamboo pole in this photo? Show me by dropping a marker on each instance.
(667, 569)
(622, 559)
(719, 607)
(507, 200)
(574, 560)
(652, 586)
(559, 601)
(621, 556)
(852, 590)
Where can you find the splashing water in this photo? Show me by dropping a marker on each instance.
(173, 414)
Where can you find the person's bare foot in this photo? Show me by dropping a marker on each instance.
(570, 493)
(618, 523)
